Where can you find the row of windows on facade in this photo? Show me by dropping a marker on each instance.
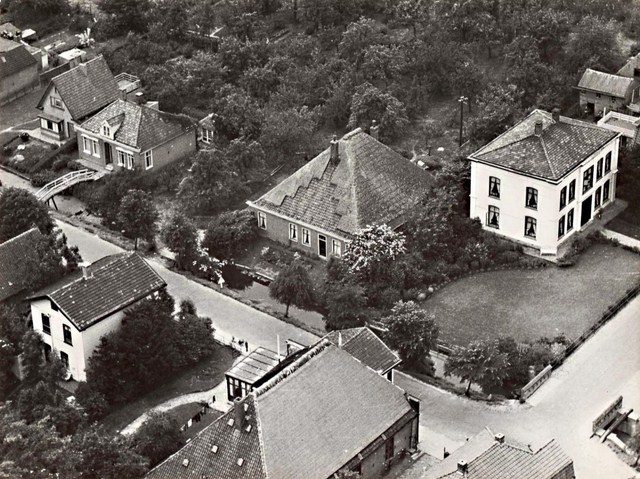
(66, 330)
(125, 158)
(531, 224)
(531, 198)
(305, 240)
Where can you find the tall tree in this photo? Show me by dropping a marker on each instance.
(413, 333)
(20, 211)
(158, 438)
(372, 250)
(138, 215)
(293, 286)
(180, 235)
(481, 362)
(369, 103)
(230, 233)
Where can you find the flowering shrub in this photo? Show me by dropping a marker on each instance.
(373, 245)
(206, 267)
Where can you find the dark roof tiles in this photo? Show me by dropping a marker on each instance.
(114, 283)
(366, 347)
(607, 83)
(18, 257)
(557, 151)
(14, 58)
(370, 184)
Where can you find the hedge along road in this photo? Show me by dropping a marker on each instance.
(230, 317)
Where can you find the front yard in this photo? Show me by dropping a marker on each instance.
(529, 304)
(206, 375)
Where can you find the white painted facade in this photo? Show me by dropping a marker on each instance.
(548, 213)
(82, 342)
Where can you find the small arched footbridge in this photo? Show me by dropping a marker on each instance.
(58, 185)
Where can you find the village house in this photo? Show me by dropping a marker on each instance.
(134, 137)
(602, 92)
(544, 179)
(326, 412)
(628, 126)
(19, 261)
(493, 456)
(75, 95)
(262, 364)
(356, 182)
(18, 71)
(73, 314)
(631, 69)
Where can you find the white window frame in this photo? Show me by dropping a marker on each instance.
(326, 245)
(130, 163)
(262, 220)
(121, 156)
(207, 135)
(106, 131)
(148, 159)
(95, 150)
(305, 239)
(293, 232)
(86, 144)
(56, 103)
(336, 248)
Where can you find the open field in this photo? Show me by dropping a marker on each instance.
(530, 304)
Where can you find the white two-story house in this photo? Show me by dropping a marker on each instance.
(544, 179)
(73, 314)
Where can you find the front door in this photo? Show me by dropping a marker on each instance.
(322, 246)
(108, 158)
(586, 211)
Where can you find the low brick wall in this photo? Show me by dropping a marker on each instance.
(607, 415)
(533, 385)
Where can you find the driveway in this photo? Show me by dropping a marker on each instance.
(229, 317)
(606, 366)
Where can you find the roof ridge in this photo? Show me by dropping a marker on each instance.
(24, 233)
(481, 150)
(546, 156)
(263, 457)
(352, 174)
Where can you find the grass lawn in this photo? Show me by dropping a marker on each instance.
(624, 227)
(205, 375)
(533, 303)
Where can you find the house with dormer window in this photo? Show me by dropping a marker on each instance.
(544, 179)
(129, 136)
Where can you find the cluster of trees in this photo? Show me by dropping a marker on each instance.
(629, 183)
(150, 345)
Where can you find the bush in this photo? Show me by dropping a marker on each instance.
(229, 234)
(41, 178)
(73, 165)
(24, 136)
(59, 164)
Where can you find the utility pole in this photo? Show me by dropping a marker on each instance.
(462, 100)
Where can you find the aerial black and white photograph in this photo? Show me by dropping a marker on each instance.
(320, 239)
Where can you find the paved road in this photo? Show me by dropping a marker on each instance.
(229, 317)
(607, 366)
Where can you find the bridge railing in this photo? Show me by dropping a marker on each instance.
(63, 182)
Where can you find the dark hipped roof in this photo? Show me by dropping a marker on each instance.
(366, 347)
(14, 57)
(370, 184)
(86, 88)
(307, 422)
(608, 83)
(114, 283)
(18, 257)
(486, 458)
(140, 126)
(255, 366)
(558, 150)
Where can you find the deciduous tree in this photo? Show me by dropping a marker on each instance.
(373, 248)
(369, 103)
(158, 438)
(20, 211)
(481, 362)
(138, 215)
(230, 233)
(180, 235)
(293, 286)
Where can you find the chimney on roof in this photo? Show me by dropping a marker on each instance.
(139, 98)
(123, 95)
(499, 437)
(339, 339)
(462, 466)
(538, 128)
(83, 68)
(555, 114)
(335, 157)
(86, 274)
(239, 412)
(374, 130)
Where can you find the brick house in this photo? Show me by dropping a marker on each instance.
(18, 71)
(544, 179)
(73, 314)
(356, 182)
(75, 95)
(493, 456)
(132, 136)
(601, 92)
(326, 412)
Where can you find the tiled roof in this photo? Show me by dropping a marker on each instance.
(629, 67)
(9, 28)
(613, 85)
(86, 88)
(140, 126)
(558, 150)
(487, 458)
(14, 58)
(208, 122)
(307, 422)
(17, 258)
(370, 184)
(255, 366)
(114, 283)
(366, 347)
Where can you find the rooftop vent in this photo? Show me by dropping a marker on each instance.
(462, 466)
(499, 438)
(248, 428)
(230, 422)
(374, 130)
(334, 149)
(555, 114)
(240, 462)
(185, 463)
(214, 449)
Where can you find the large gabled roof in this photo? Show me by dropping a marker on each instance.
(369, 184)
(487, 458)
(86, 88)
(14, 57)
(18, 258)
(138, 126)
(366, 347)
(113, 283)
(307, 422)
(561, 147)
(607, 83)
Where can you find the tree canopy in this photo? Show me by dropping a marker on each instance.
(293, 286)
